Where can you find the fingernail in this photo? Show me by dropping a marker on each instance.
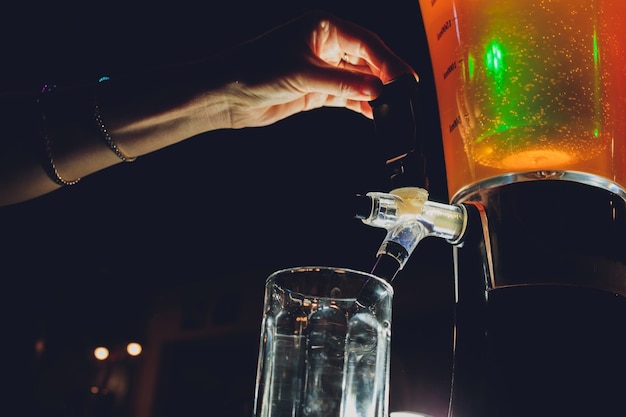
(371, 90)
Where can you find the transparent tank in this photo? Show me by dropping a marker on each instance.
(532, 101)
(529, 90)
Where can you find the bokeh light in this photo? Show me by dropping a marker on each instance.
(134, 349)
(101, 353)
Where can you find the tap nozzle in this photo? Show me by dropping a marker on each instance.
(408, 216)
(386, 210)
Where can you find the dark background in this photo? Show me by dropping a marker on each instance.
(83, 266)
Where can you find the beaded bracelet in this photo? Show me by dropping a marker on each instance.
(103, 130)
(48, 161)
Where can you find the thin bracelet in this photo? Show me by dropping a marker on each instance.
(105, 133)
(48, 161)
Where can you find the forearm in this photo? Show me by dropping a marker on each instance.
(166, 106)
(141, 114)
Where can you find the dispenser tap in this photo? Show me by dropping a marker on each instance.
(405, 212)
(408, 216)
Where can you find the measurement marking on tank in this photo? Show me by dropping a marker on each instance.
(448, 24)
(449, 70)
(455, 123)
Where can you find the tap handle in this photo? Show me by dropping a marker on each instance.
(396, 123)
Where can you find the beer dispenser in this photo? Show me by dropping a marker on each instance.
(532, 104)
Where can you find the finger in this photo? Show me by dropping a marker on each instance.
(361, 107)
(357, 64)
(362, 67)
(305, 103)
(334, 81)
(360, 46)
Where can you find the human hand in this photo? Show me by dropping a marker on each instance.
(316, 60)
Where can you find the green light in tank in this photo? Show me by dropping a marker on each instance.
(597, 84)
(494, 59)
(596, 51)
(469, 68)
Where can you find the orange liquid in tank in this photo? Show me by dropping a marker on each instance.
(527, 86)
